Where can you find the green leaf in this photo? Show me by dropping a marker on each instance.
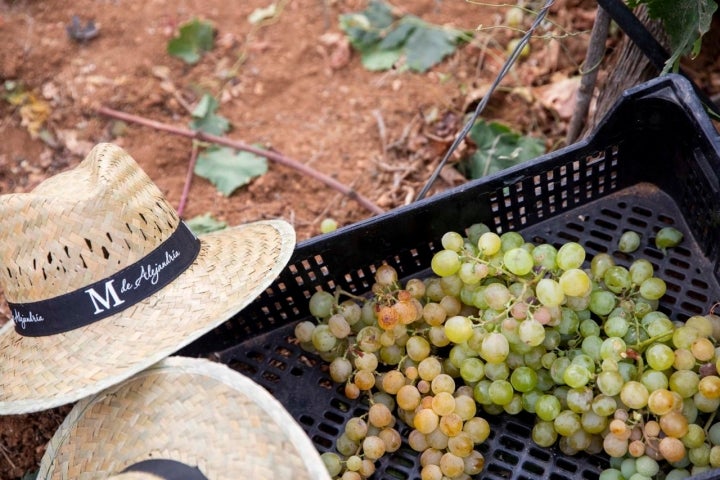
(194, 39)
(685, 21)
(205, 119)
(205, 224)
(427, 46)
(382, 39)
(397, 37)
(377, 60)
(498, 147)
(229, 170)
(365, 29)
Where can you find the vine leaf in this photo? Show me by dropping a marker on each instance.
(498, 147)
(205, 118)
(228, 169)
(195, 38)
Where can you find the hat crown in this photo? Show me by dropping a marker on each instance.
(80, 226)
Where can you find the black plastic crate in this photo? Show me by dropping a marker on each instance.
(653, 162)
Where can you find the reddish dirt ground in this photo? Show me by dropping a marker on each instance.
(292, 85)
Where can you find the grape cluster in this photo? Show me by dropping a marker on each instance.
(508, 326)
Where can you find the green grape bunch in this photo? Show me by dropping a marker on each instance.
(506, 326)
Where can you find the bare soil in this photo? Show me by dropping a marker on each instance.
(292, 84)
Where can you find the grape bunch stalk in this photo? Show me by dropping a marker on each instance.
(504, 325)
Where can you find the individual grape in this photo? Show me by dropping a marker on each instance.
(472, 370)
(368, 339)
(660, 402)
(659, 356)
(524, 379)
(417, 348)
(544, 434)
(617, 279)
(478, 428)
(443, 403)
(489, 244)
(373, 447)
(452, 241)
(451, 465)
(668, 237)
(709, 386)
(566, 423)
(593, 423)
(443, 383)
(304, 331)
(704, 324)
(510, 240)
(589, 328)
(684, 359)
(364, 379)
(458, 329)
(610, 382)
(367, 468)
(340, 369)
(518, 261)
(634, 394)
(570, 255)
(332, 462)
(700, 456)
(684, 382)
(579, 400)
(549, 292)
(321, 304)
(715, 456)
(602, 302)
(495, 348)
(379, 415)
(575, 283)
(672, 449)
(460, 444)
(544, 256)
(431, 472)
(445, 263)
(451, 305)
(497, 296)
(353, 463)
(576, 375)
(426, 420)
(629, 241)
(350, 475)
(500, 392)
(703, 349)
(474, 463)
(465, 407)
(391, 438)
(653, 288)
(472, 273)
(695, 436)
(323, 339)
(547, 407)
(683, 337)
(600, 263)
(615, 446)
(429, 368)
(531, 332)
(640, 270)
(346, 446)
(616, 326)
(674, 424)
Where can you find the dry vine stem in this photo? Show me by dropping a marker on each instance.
(274, 156)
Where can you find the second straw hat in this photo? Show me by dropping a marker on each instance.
(103, 279)
(183, 418)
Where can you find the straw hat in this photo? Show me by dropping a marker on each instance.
(103, 280)
(190, 412)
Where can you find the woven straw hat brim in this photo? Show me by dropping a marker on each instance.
(190, 410)
(233, 267)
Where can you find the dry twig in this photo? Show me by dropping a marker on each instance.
(238, 145)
